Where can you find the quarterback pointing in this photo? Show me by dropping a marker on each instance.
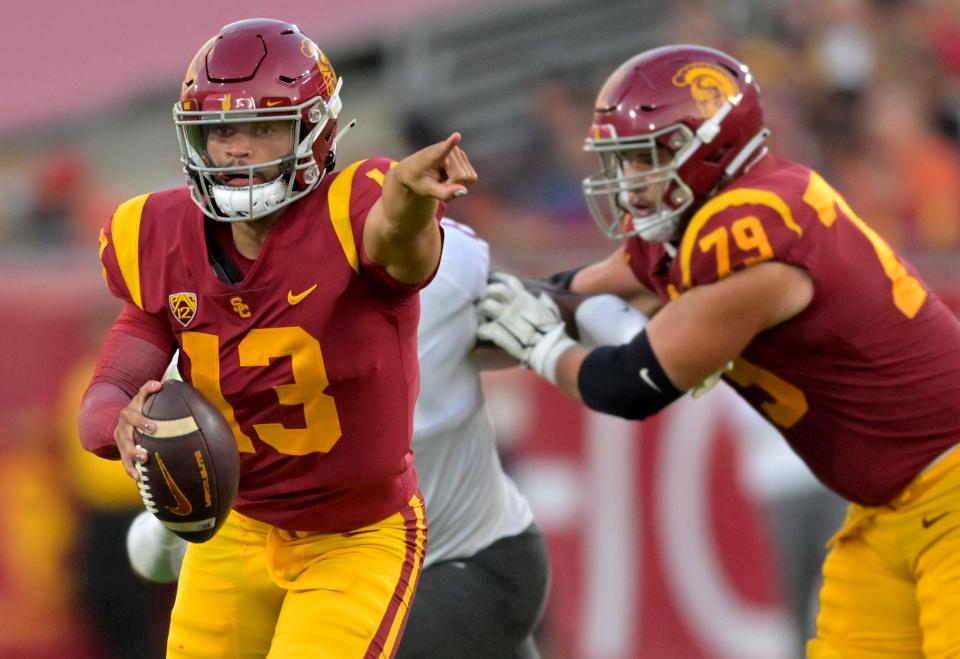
(290, 289)
(485, 576)
(769, 280)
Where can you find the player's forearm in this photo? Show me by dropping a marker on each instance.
(568, 370)
(125, 362)
(407, 213)
(402, 233)
(99, 410)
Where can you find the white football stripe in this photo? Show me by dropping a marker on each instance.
(199, 525)
(174, 427)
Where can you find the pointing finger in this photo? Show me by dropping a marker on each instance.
(447, 146)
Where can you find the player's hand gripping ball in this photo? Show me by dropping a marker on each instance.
(192, 472)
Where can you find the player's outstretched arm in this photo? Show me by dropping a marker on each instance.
(707, 326)
(691, 338)
(533, 325)
(401, 233)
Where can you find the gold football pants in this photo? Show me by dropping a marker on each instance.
(255, 591)
(892, 578)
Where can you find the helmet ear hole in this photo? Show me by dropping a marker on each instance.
(678, 196)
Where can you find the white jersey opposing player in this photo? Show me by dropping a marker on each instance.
(471, 502)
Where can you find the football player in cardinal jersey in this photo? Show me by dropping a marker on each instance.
(291, 291)
(769, 280)
(484, 581)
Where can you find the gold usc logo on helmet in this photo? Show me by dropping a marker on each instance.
(312, 51)
(326, 70)
(309, 49)
(710, 85)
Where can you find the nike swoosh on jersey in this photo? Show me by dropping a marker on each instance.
(930, 521)
(183, 506)
(298, 298)
(645, 376)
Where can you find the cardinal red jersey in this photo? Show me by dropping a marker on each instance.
(865, 382)
(312, 358)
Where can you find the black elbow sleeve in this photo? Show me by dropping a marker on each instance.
(626, 381)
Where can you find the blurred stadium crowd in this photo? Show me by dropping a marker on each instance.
(865, 91)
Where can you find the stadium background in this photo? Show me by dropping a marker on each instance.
(693, 535)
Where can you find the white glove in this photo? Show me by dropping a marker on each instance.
(525, 326)
(607, 320)
(155, 552)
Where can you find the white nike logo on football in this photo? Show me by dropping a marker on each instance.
(645, 376)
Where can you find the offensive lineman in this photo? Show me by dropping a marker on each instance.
(769, 279)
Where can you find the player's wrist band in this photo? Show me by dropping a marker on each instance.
(626, 381)
(544, 357)
(562, 279)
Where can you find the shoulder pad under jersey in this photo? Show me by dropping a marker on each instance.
(352, 192)
(735, 230)
(120, 250)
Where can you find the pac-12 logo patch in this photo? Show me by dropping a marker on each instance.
(183, 306)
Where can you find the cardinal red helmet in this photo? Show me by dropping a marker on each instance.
(258, 70)
(692, 116)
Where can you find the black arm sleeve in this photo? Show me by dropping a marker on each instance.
(626, 381)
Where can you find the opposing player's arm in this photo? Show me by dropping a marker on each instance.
(703, 329)
(489, 357)
(401, 232)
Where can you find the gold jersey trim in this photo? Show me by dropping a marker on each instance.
(338, 201)
(393, 635)
(125, 232)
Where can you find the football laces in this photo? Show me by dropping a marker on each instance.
(144, 486)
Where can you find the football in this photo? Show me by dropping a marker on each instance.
(192, 472)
